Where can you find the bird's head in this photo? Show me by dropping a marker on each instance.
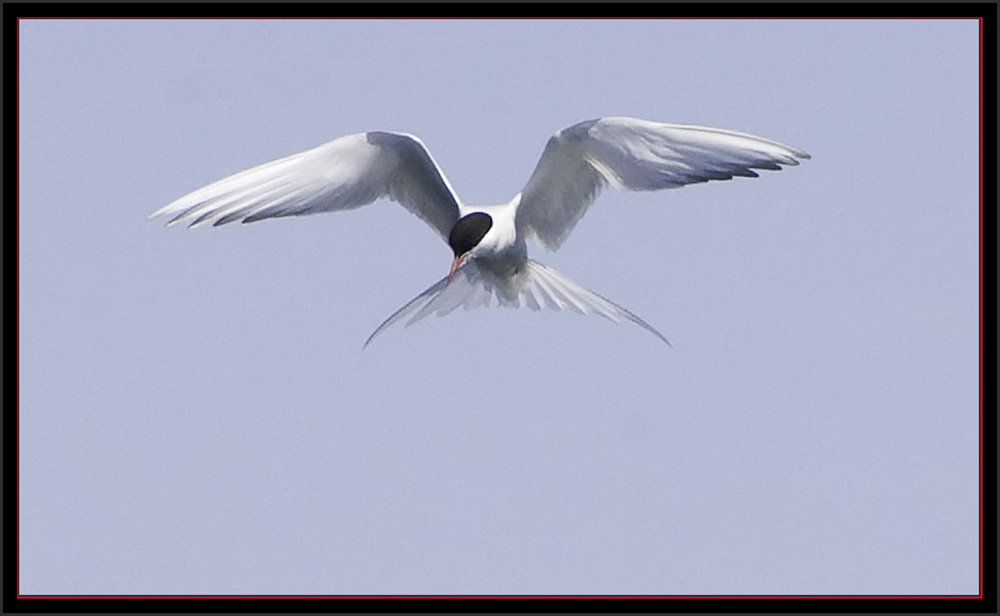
(466, 235)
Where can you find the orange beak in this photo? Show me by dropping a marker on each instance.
(455, 265)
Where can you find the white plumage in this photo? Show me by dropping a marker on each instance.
(533, 286)
(490, 254)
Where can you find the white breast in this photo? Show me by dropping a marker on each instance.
(502, 238)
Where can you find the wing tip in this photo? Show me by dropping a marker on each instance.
(166, 209)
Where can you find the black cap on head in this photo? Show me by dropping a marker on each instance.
(468, 232)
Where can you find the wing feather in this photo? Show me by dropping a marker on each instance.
(632, 154)
(343, 174)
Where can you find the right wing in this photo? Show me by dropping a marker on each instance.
(534, 286)
(340, 175)
(632, 154)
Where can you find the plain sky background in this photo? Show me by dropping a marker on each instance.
(197, 415)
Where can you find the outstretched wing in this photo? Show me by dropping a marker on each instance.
(340, 175)
(632, 154)
(534, 286)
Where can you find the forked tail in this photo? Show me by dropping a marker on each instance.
(534, 286)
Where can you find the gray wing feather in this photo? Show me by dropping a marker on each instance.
(343, 174)
(632, 154)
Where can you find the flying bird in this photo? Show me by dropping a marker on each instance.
(490, 264)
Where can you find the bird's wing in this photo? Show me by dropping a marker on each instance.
(534, 286)
(632, 154)
(343, 174)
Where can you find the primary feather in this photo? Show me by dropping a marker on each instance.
(630, 154)
(343, 174)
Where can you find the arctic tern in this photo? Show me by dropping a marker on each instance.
(490, 265)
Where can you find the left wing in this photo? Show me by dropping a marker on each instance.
(340, 175)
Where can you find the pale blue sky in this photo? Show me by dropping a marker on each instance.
(196, 414)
